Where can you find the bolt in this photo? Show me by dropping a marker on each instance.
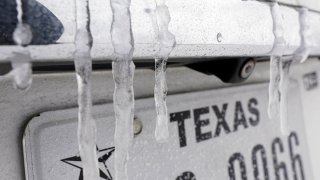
(137, 126)
(247, 68)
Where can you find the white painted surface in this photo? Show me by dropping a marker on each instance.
(245, 29)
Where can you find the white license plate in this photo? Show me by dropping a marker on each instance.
(220, 134)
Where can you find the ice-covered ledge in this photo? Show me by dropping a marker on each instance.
(202, 28)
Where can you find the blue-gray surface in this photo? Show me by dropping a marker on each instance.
(46, 27)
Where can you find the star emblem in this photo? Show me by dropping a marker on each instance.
(103, 156)
(188, 175)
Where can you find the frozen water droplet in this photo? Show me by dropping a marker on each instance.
(167, 42)
(22, 34)
(83, 67)
(21, 71)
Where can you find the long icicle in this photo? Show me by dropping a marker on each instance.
(275, 63)
(274, 93)
(83, 66)
(283, 88)
(167, 42)
(21, 59)
(123, 73)
(300, 55)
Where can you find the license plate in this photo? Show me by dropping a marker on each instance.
(220, 134)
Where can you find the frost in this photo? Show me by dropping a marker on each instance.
(166, 41)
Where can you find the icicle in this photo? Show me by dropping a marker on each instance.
(283, 87)
(274, 93)
(83, 66)
(303, 51)
(21, 59)
(166, 42)
(279, 73)
(275, 62)
(123, 72)
(300, 55)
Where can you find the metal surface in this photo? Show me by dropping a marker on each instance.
(211, 132)
(203, 29)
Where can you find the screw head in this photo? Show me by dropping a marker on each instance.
(247, 68)
(137, 126)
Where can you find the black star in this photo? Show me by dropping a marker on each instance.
(186, 176)
(103, 156)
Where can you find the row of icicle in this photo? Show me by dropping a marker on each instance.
(123, 72)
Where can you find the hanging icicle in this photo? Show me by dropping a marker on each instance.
(166, 42)
(275, 62)
(279, 67)
(123, 72)
(279, 70)
(274, 93)
(300, 55)
(21, 59)
(83, 66)
(283, 87)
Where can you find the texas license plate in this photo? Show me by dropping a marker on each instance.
(220, 134)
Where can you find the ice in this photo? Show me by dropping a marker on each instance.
(300, 55)
(280, 67)
(83, 66)
(166, 42)
(279, 70)
(21, 71)
(21, 59)
(303, 51)
(283, 86)
(123, 72)
(274, 92)
(275, 62)
(279, 41)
